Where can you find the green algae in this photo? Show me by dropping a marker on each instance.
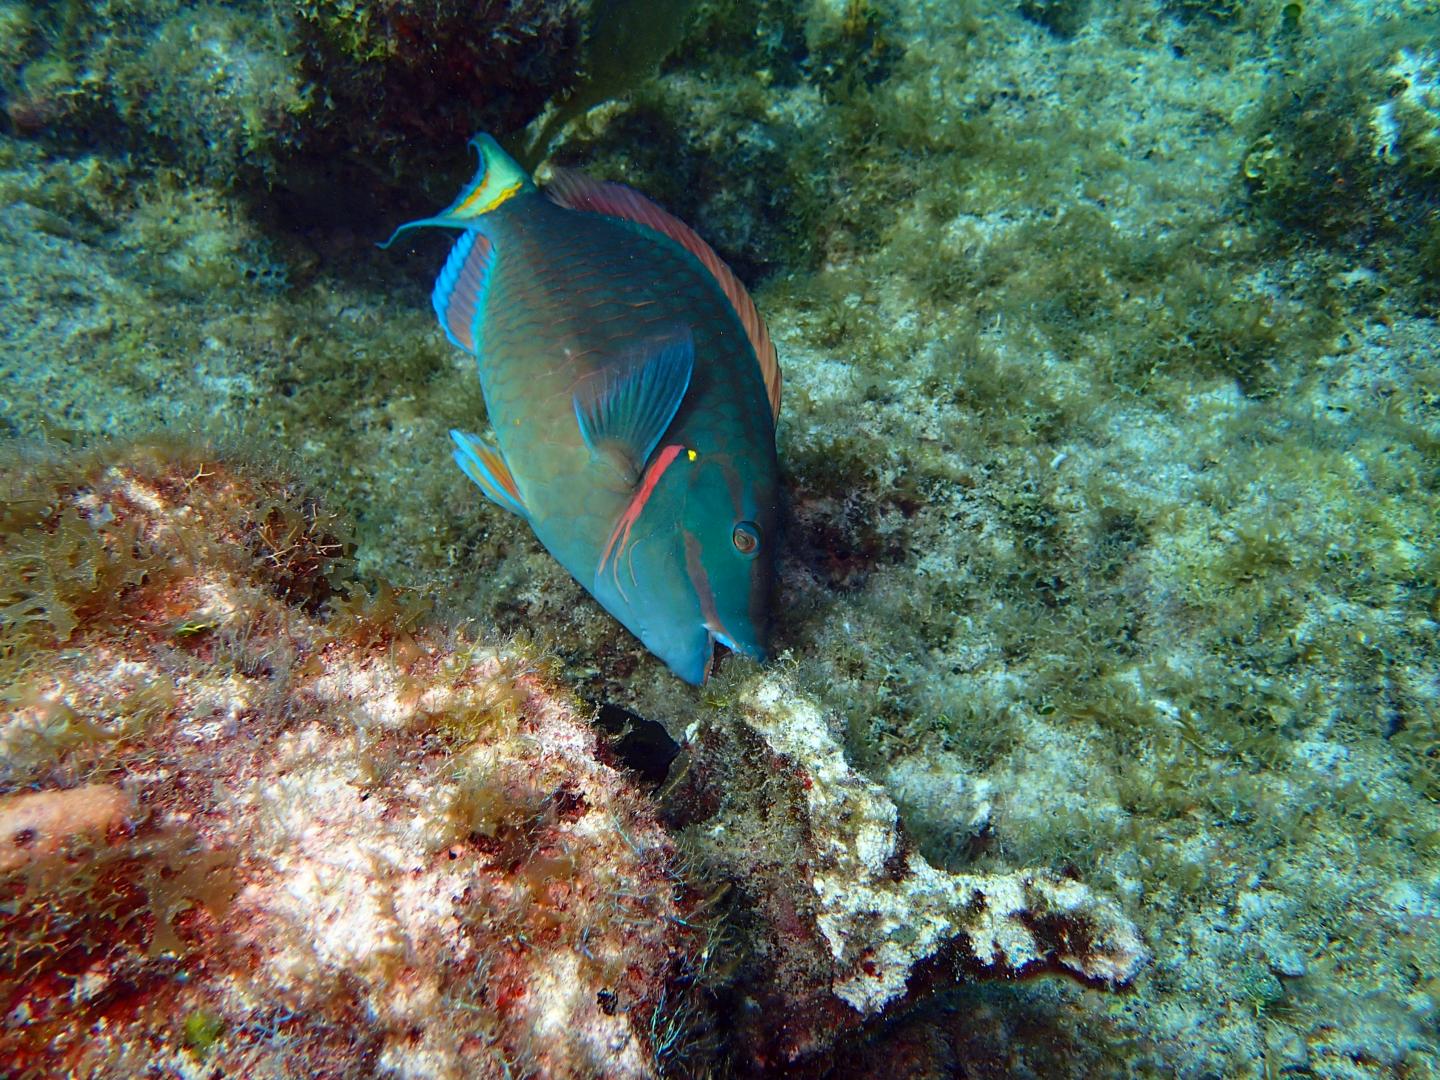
(1348, 152)
(1213, 622)
(209, 86)
(201, 1031)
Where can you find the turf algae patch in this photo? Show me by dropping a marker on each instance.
(1347, 152)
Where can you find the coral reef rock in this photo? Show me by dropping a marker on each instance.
(884, 911)
(256, 823)
(845, 923)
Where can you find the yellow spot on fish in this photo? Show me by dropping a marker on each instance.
(691, 454)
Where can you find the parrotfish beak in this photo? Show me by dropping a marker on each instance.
(689, 659)
(688, 651)
(650, 589)
(751, 648)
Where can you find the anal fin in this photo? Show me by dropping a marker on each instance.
(460, 290)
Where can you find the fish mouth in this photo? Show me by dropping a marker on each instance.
(694, 666)
(755, 652)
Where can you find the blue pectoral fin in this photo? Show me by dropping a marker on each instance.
(483, 464)
(633, 402)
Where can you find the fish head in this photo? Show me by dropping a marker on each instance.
(692, 559)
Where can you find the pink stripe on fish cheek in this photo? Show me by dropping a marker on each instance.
(701, 583)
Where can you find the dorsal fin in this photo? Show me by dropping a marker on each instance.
(629, 404)
(573, 189)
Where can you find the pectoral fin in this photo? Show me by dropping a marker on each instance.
(482, 463)
(627, 406)
(577, 191)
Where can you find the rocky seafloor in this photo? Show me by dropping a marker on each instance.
(1111, 441)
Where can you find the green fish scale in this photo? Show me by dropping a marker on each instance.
(574, 293)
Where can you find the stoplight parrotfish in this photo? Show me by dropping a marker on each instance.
(632, 390)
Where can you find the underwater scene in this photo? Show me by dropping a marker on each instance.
(884, 539)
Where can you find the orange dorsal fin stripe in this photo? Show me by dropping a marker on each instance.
(577, 191)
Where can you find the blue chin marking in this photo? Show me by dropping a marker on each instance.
(752, 651)
(694, 666)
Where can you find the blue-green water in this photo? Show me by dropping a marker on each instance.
(1110, 428)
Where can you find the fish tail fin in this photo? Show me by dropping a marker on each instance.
(498, 178)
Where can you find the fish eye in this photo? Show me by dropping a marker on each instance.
(746, 538)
